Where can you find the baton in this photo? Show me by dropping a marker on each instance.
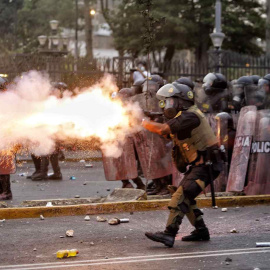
(209, 164)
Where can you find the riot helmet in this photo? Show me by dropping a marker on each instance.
(186, 81)
(175, 97)
(152, 84)
(60, 85)
(137, 87)
(214, 82)
(125, 93)
(255, 79)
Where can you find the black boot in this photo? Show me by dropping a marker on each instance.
(126, 184)
(157, 187)
(139, 183)
(43, 169)
(201, 233)
(57, 175)
(6, 190)
(37, 164)
(163, 237)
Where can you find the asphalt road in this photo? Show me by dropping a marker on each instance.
(32, 243)
(90, 182)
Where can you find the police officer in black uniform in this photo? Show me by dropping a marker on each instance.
(215, 87)
(263, 93)
(194, 144)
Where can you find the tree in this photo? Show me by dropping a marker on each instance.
(8, 24)
(188, 26)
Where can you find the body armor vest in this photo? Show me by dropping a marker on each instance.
(201, 138)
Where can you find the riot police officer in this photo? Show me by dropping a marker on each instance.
(194, 144)
(244, 91)
(215, 87)
(186, 81)
(263, 93)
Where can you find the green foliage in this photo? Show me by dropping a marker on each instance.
(188, 25)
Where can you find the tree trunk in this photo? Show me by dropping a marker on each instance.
(170, 50)
(88, 30)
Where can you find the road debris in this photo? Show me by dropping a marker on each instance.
(77, 196)
(61, 236)
(60, 254)
(82, 161)
(92, 244)
(72, 178)
(262, 244)
(233, 230)
(228, 259)
(116, 221)
(49, 204)
(69, 233)
(101, 219)
(34, 249)
(87, 218)
(88, 165)
(224, 209)
(41, 217)
(2, 220)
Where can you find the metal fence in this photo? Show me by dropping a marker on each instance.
(84, 72)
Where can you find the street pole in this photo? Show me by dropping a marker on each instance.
(76, 36)
(267, 34)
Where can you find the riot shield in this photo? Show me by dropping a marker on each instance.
(250, 94)
(258, 172)
(241, 151)
(7, 162)
(154, 153)
(123, 167)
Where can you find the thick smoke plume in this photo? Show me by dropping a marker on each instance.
(31, 116)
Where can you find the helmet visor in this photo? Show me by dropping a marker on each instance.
(167, 91)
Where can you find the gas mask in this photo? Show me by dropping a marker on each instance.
(172, 107)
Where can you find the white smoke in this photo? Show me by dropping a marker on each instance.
(32, 117)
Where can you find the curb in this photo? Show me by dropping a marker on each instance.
(116, 207)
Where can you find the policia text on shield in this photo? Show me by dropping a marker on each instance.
(194, 145)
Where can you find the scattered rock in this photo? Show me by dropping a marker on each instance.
(256, 268)
(49, 204)
(114, 221)
(108, 189)
(106, 258)
(61, 236)
(101, 219)
(77, 196)
(257, 219)
(215, 207)
(41, 217)
(227, 263)
(92, 244)
(82, 161)
(72, 178)
(224, 209)
(34, 249)
(85, 183)
(2, 220)
(70, 233)
(131, 213)
(233, 230)
(228, 259)
(87, 218)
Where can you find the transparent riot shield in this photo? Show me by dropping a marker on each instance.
(258, 171)
(241, 151)
(123, 167)
(7, 162)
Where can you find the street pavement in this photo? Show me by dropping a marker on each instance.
(32, 243)
(90, 182)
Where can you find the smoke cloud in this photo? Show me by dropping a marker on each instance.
(33, 117)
